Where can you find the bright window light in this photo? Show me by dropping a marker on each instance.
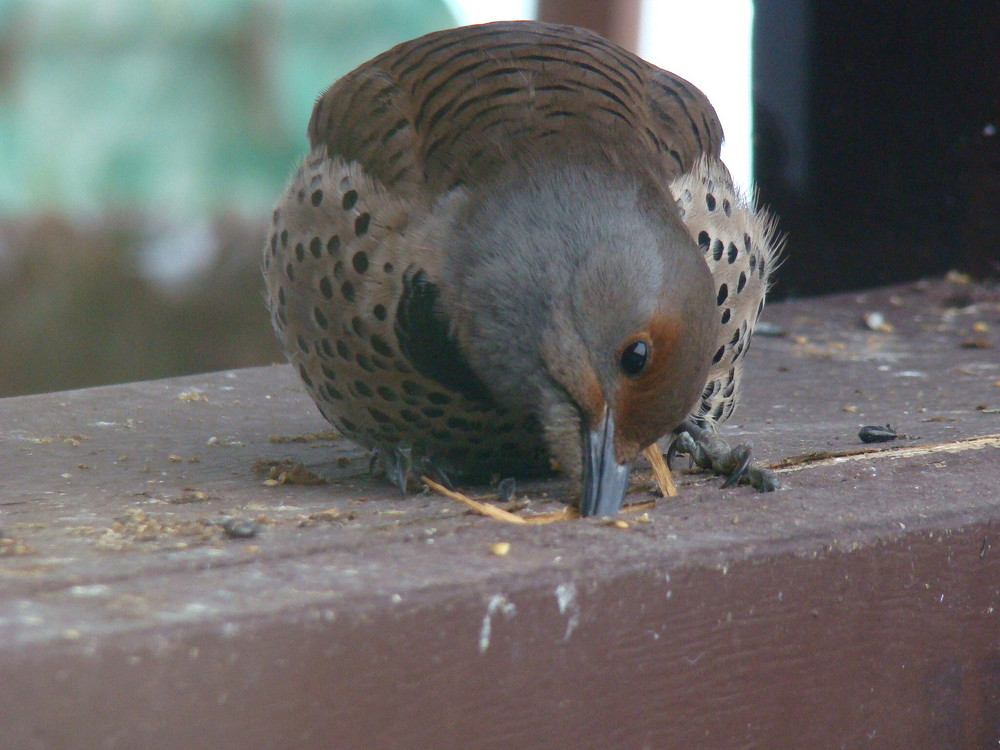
(484, 11)
(709, 45)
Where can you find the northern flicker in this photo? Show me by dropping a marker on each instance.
(513, 246)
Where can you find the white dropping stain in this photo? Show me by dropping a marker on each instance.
(195, 609)
(96, 589)
(498, 603)
(568, 606)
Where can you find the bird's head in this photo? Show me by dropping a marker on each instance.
(631, 347)
(581, 296)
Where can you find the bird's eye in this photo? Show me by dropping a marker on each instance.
(634, 357)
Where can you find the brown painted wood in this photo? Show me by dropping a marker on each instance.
(855, 607)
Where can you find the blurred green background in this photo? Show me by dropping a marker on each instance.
(141, 147)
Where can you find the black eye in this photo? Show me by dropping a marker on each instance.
(634, 357)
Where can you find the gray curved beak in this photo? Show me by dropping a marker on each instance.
(604, 479)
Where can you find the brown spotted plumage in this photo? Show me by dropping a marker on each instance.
(740, 244)
(490, 258)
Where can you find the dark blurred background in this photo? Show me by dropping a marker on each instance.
(142, 143)
(875, 138)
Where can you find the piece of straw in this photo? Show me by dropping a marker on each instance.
(500, 514)
(661, 472)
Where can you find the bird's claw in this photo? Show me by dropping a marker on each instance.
(763, 480)
(506, 488)
(735, 463)
(712, 453)
(400, 468)
(404, 471)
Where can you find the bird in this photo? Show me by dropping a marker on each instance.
(511, 250)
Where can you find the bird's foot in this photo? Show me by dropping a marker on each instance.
(712, 453)
(506, 488)
(404, 470)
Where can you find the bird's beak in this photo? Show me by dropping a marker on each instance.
(604, 479)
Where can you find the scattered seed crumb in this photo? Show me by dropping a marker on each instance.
(636, 507)
(135, 525)
(875, 321)
(877, 434)
(328, 515)
(307, 438)
(500, 548)
(240, 528)
(15, 547)
(263, 465)
(31, 525)
(224, 442)
(957, 277)
(291, 473)
(619, 524)
(83, 531)
(191, 496)
(66, 475)
(190, 396)
(980, 327)
(977, 343)
(851, 409)
(174, 459)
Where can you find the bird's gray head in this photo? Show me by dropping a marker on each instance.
(591, 305)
